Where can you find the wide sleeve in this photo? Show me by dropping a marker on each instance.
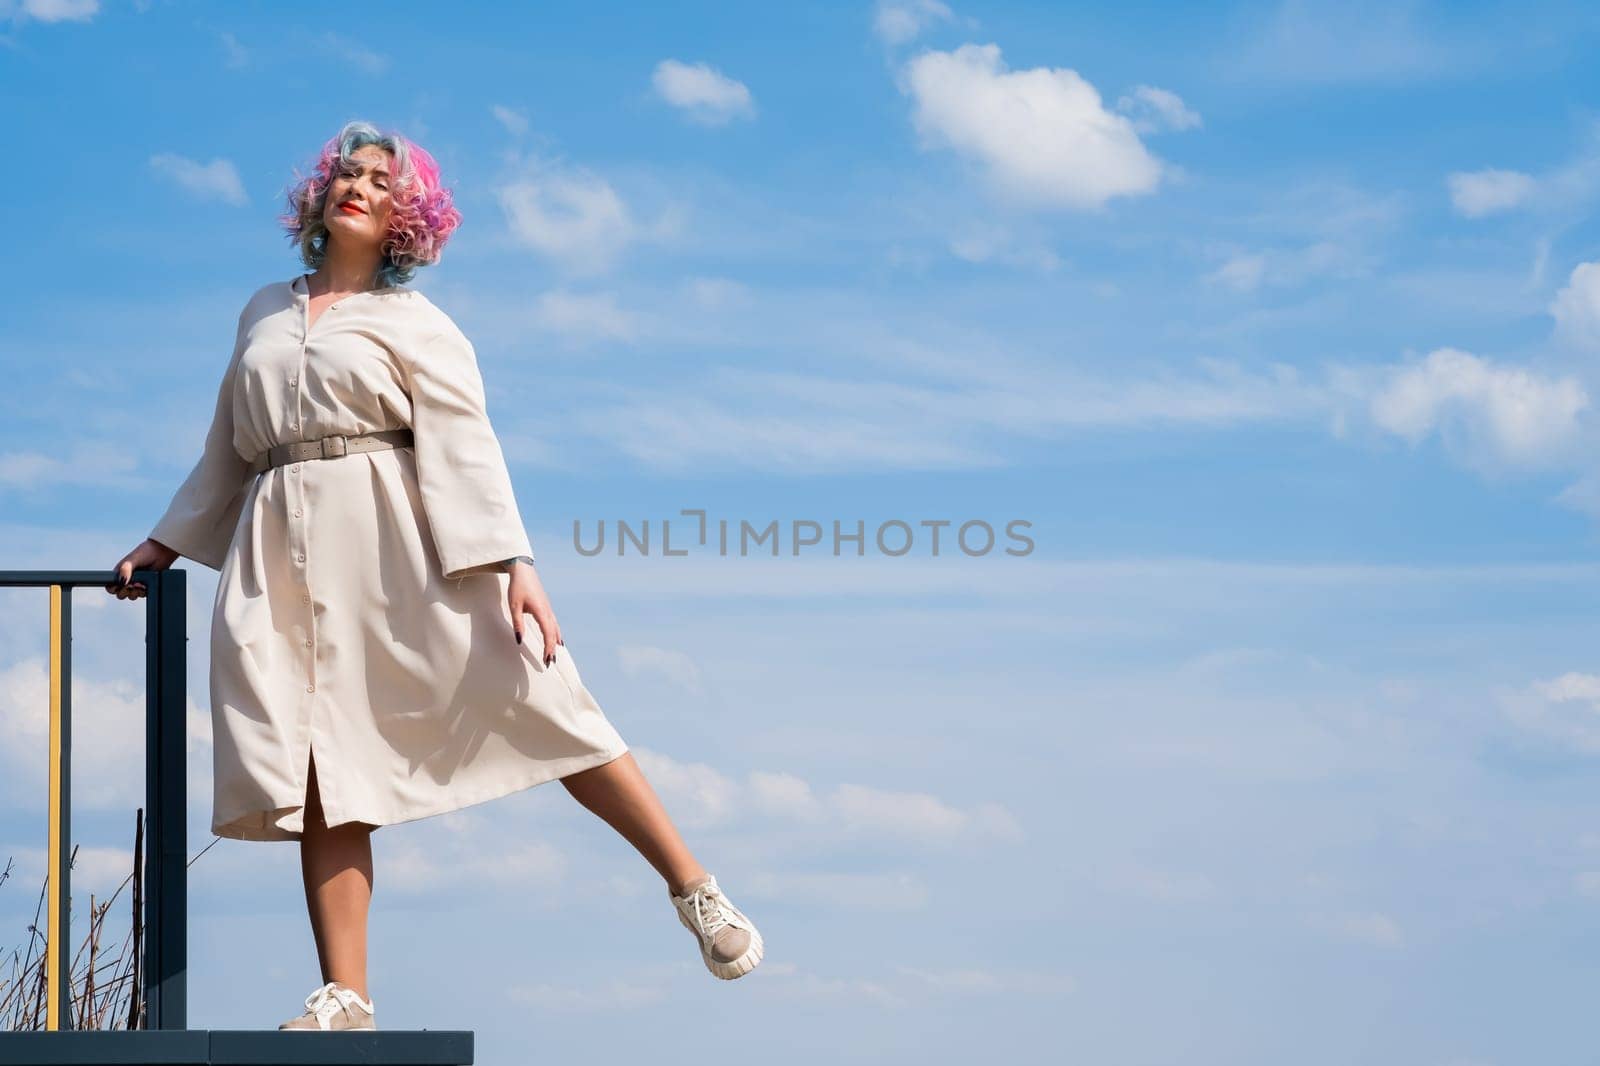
(466, 489)
(200, 520)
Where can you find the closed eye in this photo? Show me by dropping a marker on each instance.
(347, 173)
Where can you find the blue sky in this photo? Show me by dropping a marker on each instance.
(1278, 322)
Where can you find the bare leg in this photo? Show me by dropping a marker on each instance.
(618, 792)
(337, 867)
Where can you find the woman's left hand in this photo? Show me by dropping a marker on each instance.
(526, 596)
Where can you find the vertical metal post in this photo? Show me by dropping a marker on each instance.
(58, 925)
(166, 801)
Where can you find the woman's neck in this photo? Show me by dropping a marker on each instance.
(345, 274)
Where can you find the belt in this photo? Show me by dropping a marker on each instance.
(330, 447)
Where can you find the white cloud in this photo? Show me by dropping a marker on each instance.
(674, 666)
(956, 980)
(998, 244)
(701, 795)
(706, 797)
(1493, 414)
(904, 986)
(354, 52)
(55, 10)
(1569, 187)
(1355, 41)
(587, 316)
(786, 980)
(1242, 272)
(216, 180)
(513, 120)
(461, 849)
(236, 56)
(843, 891)
(1171, 886)
(573, 218)
(74, 462)
(1247, 271)
(97, 869)
(1041, 135)
(898, 21)
(785, 795)
(1154, 110)
(1370, 928)
(704, 94)
(916, 984)
(607, 997)
(812, 422)
(901, 813)
(1582, 495)
(716, 292)
(108, 722)
(1576, 307)
(1564, 709)
(1485, 192)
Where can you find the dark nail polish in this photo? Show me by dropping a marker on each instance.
(519, 638)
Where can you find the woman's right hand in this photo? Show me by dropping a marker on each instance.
(151, 555)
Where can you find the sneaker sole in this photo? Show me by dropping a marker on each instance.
(734, 968)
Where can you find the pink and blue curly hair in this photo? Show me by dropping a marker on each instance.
(420, 222)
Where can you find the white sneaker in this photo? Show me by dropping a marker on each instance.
(730, 943)
(333, 1006)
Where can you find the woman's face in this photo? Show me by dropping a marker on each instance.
(357, 208)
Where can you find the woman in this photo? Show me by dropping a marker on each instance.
(356, 502)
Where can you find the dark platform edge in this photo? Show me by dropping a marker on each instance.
(237, 1047)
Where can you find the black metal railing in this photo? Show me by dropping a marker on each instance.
(165, 1037)
(165, 937)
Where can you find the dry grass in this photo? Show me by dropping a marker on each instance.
(105, 985)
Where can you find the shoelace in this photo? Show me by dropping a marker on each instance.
(711, 910)
(329, 1000)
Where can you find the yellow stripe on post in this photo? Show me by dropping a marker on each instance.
(56, 942)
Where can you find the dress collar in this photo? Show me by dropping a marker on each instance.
(302, 288)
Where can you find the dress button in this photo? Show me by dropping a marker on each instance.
(297, 512)
(311, 688)
(294, 381)
(305, 599)
(302, 558)
(294, 425)
(295, 467)
(308, 644)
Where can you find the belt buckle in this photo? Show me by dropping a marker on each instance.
(336, 449)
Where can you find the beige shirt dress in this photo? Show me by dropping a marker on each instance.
(361, 611)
